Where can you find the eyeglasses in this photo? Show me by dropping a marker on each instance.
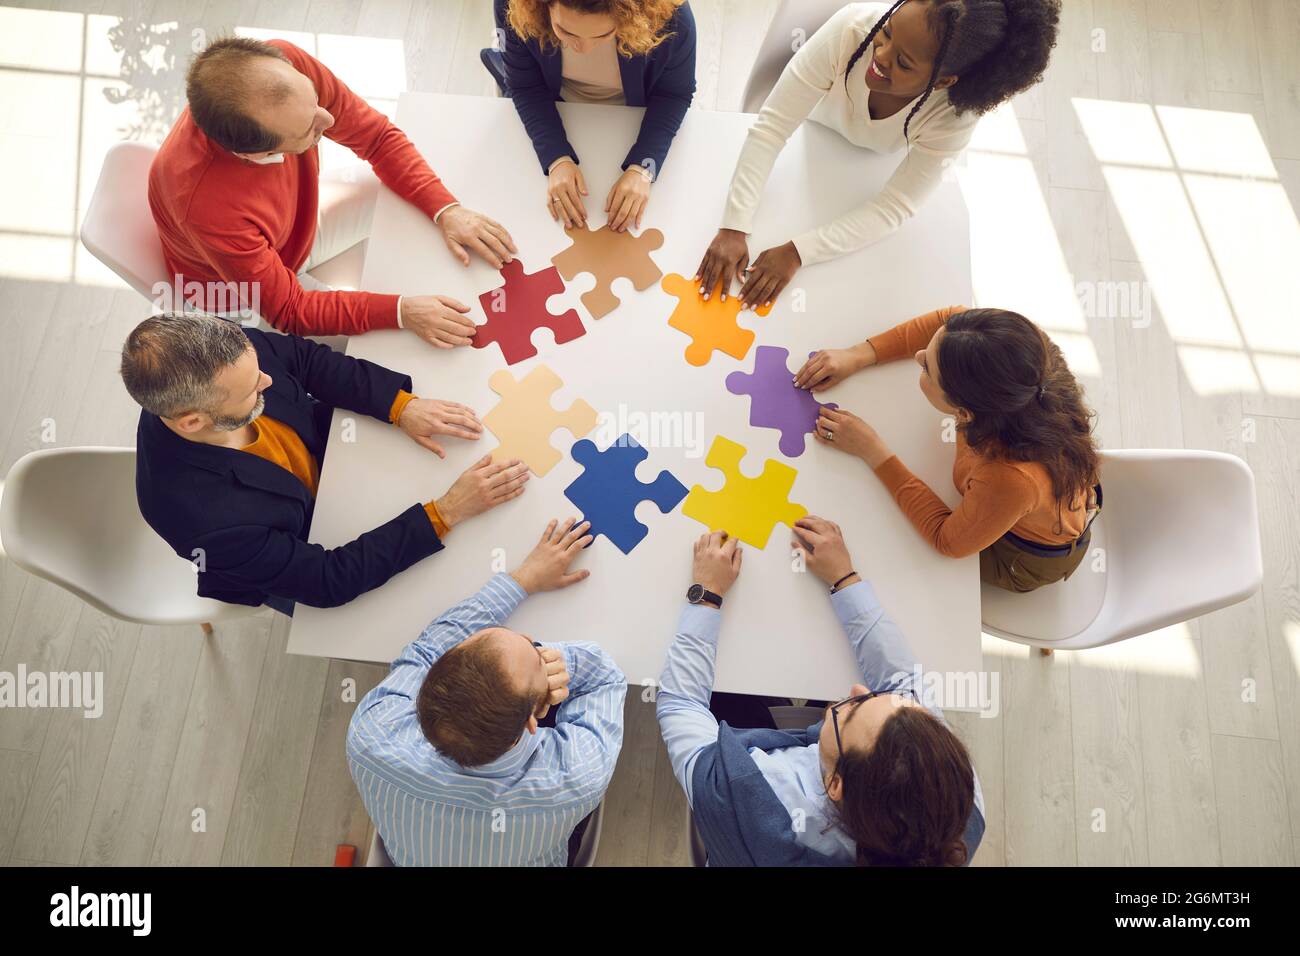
(835, 716)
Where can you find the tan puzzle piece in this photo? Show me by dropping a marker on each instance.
(609, 255)
(711, 324)
(524, 419)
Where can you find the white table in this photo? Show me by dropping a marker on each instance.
(779, 634)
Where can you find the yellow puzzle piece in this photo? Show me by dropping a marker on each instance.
(711, 324)
(745, 508)
(524, 420)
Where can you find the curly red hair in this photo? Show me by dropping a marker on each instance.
(639, 23)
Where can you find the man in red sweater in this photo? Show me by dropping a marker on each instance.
(235, 191)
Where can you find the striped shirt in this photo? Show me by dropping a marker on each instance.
(517, 810)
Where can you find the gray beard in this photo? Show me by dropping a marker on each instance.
(223, 423)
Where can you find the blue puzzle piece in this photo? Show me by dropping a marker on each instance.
(608, 490)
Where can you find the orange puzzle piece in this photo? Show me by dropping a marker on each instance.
(711, 324)
(609, 255)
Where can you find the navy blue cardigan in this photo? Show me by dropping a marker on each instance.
(741, 820)
(244, 520)
(662, 81)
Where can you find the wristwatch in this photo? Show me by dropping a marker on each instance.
(697, 594)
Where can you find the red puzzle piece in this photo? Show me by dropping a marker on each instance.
(517, 309)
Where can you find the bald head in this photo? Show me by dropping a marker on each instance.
(248, 98)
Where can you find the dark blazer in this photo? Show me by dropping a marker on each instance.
(662, 81)
(244, 520)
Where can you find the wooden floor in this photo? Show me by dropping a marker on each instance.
(1181, 747)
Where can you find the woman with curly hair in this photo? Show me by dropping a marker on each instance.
(1026, 462)
(622, 52)
(913, 75)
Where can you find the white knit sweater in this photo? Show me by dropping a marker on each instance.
(813, 87)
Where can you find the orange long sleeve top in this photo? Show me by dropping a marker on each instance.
(279, 444)
(997, 495)
(224, 220)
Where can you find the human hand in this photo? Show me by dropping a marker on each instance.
(849, 433)
(440, 320)
(769, 275)
(726, 259)
(627, 199)
(820, 544)
(483, 485)
(547, 567)
(422, 418)
(565, 188)
(557, 680)
(464, 229)
(829, 367)
(717, 561)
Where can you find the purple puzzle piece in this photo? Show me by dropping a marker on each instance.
(775, 402)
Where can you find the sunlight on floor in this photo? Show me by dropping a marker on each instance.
(1169, 652)
(1200, 199)
(72, 85)
(1291, 635)
(1013, 236)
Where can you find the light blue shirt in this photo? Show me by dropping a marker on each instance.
(518, 810)
(885, 661)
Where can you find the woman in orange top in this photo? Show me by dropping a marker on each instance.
(1026, 462)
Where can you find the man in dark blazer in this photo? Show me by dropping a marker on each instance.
(232, 432)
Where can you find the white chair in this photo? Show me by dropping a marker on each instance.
(120, 232)
(69, 515)
(119, 229)
(1177, 537)
(805, 16)
(590, 843)
(377, 856)
(585, 856)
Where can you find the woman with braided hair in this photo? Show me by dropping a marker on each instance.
(913, 75)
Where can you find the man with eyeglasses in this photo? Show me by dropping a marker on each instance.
(880, 780)
(483, 747)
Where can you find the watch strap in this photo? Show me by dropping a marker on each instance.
(705, 595)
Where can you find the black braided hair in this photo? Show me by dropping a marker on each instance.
(1021, 33)
(866, 44)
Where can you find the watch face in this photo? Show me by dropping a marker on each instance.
(695, 593)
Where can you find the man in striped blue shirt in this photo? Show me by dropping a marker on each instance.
(447, 752)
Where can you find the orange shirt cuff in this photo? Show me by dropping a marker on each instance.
(399, 405)
(440, 526)
(887, 346)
